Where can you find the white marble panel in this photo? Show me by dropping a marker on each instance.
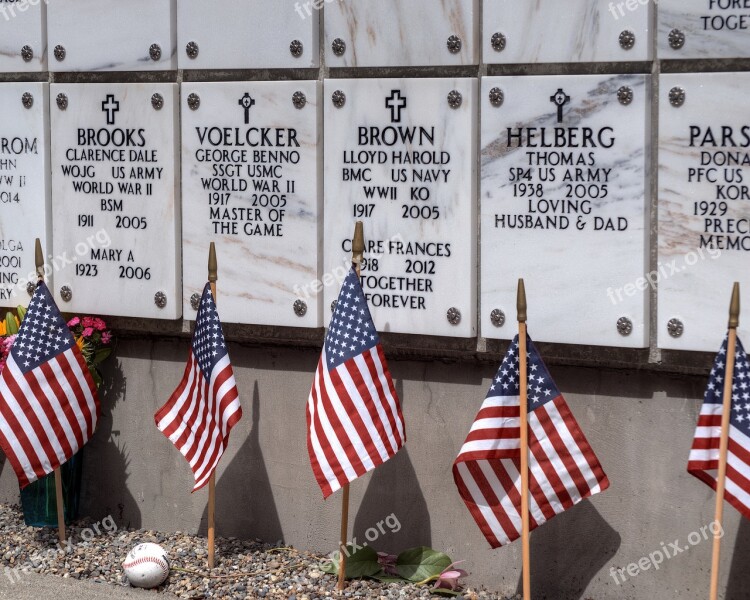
(401, 159)
(111, 35)
(24, 187)
(564, 204)
(704, 206)
(115, 198)
(246, 34)
(23, 42)
(555, 31)
(380, 33)
(704, 29)
(250, 163)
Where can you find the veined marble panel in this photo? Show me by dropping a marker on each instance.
(704, 206)
(389, 33)
(704, 29)
(400, 156)
(111, 35)
(24, 188)
(564, 204)
(250, 182)
(247, 34)
(23, 43)
(115, 198)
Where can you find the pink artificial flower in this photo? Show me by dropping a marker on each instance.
(99, 325)
(449, 578)
(106, 337)
(88, 321)
(87, 332)
(388, 563)
(73, 322)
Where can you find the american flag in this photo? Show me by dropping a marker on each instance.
(201, 412)
(704, 455)
(354, 418)
(563, 469)
(48, 402)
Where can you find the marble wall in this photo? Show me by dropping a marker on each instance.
(598, 149)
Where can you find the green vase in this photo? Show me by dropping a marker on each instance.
(39, 499)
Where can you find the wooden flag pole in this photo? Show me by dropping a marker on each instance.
(358, 250)
(734, 321)
(524, 425)
(213, 275)
(39, 256)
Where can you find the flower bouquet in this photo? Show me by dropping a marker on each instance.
(39, 500)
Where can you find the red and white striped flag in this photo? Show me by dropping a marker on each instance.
(48, 402)
(354, 418)
(704, 455)
(201, 412)
(563, 469)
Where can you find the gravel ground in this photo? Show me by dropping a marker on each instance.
(244, 569)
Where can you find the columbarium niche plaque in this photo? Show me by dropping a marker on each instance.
(551, 31)
(564, 204)
(378, 33)
(704, 206)
(22, 40)
(250, 184)
(111, 35)
(400, 156)
(704, 29)
(115, 199)
(24, 187)
(247, 34)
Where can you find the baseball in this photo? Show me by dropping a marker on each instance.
(146, 566)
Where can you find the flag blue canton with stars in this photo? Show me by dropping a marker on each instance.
(740, 386)
(209, 346)
(541, 387)
(43, 334)
(352, 330)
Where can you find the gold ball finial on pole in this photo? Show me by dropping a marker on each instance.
(521, 301)
(39, 259)
(734, 307)
(213, 267)
(358, 243)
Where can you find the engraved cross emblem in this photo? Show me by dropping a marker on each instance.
(110, 106)
(396, 103)
(559, 99)
(247, 102)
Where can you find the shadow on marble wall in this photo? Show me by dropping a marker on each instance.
(394, 489)
(245, 506)
(568, 552)
(738, 583)
(106, 461)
